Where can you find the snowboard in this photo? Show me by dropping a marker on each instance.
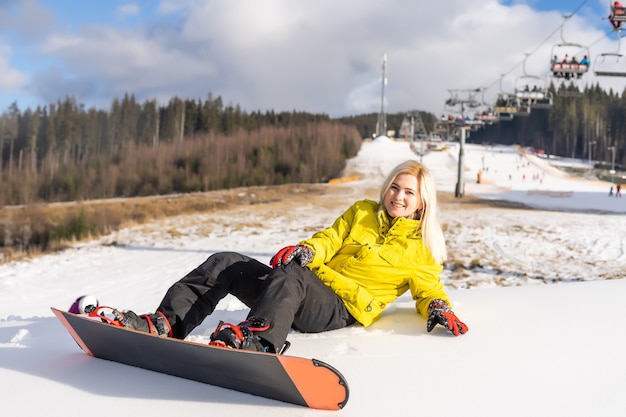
(305, 382)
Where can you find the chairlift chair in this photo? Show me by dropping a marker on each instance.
(567, 70)
(526, 89)
(559, 67)
(544, 102)
(441, 126)
(474, 124)
(532, 92)
(488, 117)
(618, 14)
(506, 107)
(611, 64)
(503, 114)
(462, 99)
(507, 104)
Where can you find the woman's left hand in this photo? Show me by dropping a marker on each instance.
(439, 312)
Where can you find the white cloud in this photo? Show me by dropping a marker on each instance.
(319, 56)
(11, 79)
(129, 9)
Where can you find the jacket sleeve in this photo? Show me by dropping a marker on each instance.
(426, 286)
(326, 243)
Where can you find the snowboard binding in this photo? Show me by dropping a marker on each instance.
(149, 323)
(241, 336)
(244, 336)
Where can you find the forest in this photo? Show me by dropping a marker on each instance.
(64, 152)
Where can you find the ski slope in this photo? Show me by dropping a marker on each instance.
(532, 284)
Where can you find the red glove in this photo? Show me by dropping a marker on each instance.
(439, 313)
(300, 253)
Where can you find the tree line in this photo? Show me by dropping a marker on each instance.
(65, 152)
(366, 123)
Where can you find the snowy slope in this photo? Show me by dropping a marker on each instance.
(533, 349)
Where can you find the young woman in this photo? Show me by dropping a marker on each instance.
(342, 275)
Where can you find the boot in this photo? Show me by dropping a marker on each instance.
(242, 336)
(155, 323)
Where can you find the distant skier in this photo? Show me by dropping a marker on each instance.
(611, 191)
(618, 190)
(345, 274)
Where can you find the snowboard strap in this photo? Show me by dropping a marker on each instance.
(236, 329)
(162, 327)
(98, 313)
(243, 330)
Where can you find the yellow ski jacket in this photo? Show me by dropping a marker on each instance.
(370, 260)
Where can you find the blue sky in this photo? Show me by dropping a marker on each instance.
(323, 56)
(564, 6)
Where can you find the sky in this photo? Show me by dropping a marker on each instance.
(540, 289)
(323, 56)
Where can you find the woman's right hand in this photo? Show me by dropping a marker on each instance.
(300, 253)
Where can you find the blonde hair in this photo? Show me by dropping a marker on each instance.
(432, 234)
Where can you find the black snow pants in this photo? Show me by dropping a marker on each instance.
(286, 297)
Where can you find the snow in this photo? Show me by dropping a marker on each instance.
(539, 289)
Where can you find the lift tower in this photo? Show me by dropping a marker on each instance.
(458, 102)
(381, 125)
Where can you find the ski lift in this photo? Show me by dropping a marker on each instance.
(611, 64)
(441, 126)
(488, 117)
(485, 114)
(461, 99)
(532, 91)
(503, 115)
(458, 103)
(475, 124)
(618, 14)
(570, 66)
(569, 60)
(543, 101)
(468, 122)
(506, 105)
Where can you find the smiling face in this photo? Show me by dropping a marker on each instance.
(403, 199)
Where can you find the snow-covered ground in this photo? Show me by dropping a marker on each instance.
(532, 350)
